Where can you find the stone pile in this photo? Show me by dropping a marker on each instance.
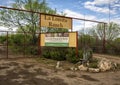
(102, 66)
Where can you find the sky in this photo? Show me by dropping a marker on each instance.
(99, 10)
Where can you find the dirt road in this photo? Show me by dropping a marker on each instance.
(33, 72)
(110, 57)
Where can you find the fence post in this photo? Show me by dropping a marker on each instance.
(77, 44)
(39, 40)
(7, 44)
(24, 43)
(104, 47)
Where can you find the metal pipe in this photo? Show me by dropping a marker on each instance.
(49, 14)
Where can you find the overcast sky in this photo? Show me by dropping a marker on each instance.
(89, 9)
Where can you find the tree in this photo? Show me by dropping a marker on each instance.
(105, 35)
(24, 21)
(112, 31)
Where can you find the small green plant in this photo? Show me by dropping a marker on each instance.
(3, 39)
(62, 54)
(32, 50)
(54, 53)
(93, 63)
(46, 54)
(72, 57)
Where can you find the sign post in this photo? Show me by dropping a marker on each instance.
(77, 44)
(66, 39)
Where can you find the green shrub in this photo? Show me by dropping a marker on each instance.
(54, 53)
(62, 54)
(72, 59)
(2, 39)
(87, 54)
(46, 54)
(16, 39)
(93, 63)
(71, 56)
(20, 43)
(16, 49)
(80, 53)
(31, 50)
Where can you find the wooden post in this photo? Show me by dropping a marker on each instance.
(77, 44)
(24, 43)
(7, 44)
(104, 39)
(71, 25)
(39, 37)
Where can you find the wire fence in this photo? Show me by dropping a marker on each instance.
(19, 44)
(24, 44)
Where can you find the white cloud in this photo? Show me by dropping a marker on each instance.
(3, 28)
(103, 2)
(104, 20)
(78, 15)
(78, 24)
(86, 26)
(8, 3)
(116, 5)
(93, 6)
(116, 21)
(73, 14)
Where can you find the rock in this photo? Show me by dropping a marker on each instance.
(94, 70)
(58, 65)
(72, 68)
(76, 69)
(82, 68)
(115, 65)
(87, 64)
(105, 64)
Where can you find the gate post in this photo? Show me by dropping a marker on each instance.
(104, 35)
(7, 44)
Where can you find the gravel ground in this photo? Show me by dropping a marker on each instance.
(30, 71)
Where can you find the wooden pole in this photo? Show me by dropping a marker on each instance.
(39, 37)
(7, 44)
(77, 44)
(104, 39)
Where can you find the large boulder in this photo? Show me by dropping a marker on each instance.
(105, 64)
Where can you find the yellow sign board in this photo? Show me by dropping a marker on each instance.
(52, 21)
(59, 39)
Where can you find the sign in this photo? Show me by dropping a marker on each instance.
(59, 39)
(52, 21)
